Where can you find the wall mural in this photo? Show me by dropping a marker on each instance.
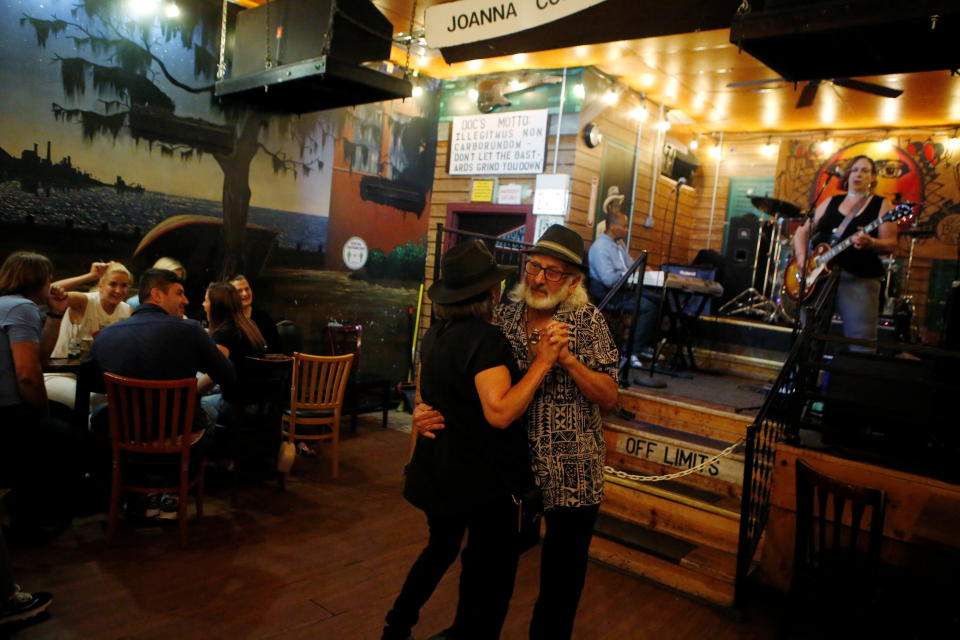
(113, 147)
(913, 167)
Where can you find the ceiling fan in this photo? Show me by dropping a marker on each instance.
(809, 91)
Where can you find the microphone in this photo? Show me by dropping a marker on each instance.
(680, 182)
(836, 172)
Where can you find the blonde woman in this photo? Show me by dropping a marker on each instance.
(87, 314)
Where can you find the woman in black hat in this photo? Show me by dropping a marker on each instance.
(462, 478)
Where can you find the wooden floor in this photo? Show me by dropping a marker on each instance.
(322, 561)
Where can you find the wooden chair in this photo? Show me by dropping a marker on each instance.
(151, 425)
(291, 339)
(254, 421)
(836, 557)
(348, 338)
(316, 400)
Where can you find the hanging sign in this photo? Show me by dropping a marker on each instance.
(454, 23)
(498, 143)
(355, 253)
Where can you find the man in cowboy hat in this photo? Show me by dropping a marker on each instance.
(612, 204)
(609, 260)
(563, 423)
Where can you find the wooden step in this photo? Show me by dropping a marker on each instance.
(647, 449)
(673, 511)
(699, 571)
(685, 415)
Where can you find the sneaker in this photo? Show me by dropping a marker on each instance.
(304, 450)
(169, 507)
(635, 362)
(23, 606)
(153, 505)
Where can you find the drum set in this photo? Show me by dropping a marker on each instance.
(766, 299)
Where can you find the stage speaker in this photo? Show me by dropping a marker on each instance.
(740, 251)
(950, 338)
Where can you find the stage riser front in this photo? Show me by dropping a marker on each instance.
(681, 533)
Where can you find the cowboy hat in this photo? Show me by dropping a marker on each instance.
(613, 196)
(467, 270)
(562, 243)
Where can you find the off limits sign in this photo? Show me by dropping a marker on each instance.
(499, 143)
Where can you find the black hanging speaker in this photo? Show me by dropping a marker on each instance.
(295, 56)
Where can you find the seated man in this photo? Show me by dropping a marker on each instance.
(156, 343)
(266, 324)
(609, 260)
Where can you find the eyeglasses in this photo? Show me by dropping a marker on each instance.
(550, 274)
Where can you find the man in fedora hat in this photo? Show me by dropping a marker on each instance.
(609, 260)
(563, 423)
(464, 478)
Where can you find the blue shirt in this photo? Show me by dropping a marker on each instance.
(21, 322)
(153, 345)
(608, 261)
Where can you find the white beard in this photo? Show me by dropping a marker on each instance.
(562, 300)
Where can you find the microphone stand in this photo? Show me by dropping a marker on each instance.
(802, 268)
(650, 382)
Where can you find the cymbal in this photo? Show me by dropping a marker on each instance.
(776, 208)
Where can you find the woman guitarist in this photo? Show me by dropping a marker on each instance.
(858, 295)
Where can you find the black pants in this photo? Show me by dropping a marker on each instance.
(488, 570)
(41, 460)
(563, 567)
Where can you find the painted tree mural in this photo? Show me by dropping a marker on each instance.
(151, 76)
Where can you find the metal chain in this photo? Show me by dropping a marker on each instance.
(406, 63)
(679, 474)
(222, 65)
(267, 60)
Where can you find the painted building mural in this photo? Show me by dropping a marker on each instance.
(109, 129)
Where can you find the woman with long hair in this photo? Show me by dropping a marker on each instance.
(236, 336)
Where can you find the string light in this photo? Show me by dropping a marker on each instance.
(695, 144)
(172, 10)
(611, 97)
(953, 144)
(769, 148)
(579, 91)
(886, 144)
(716, 152)
(474, 94)
(417, 91)
(640, 114)
(827, 146)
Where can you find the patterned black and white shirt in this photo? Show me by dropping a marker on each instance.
(565, 429)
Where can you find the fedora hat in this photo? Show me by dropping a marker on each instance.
(613, 196)
(562, 243)
(466, 270)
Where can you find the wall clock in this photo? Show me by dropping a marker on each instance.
(592, 135)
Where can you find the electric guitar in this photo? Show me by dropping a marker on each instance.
(818, 261)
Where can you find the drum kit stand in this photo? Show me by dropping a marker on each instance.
(767, 302)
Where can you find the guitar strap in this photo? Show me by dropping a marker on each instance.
(838, 232)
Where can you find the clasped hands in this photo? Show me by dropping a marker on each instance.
(553, 343)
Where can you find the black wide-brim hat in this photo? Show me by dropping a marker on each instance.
(466, 270)
(561, 243)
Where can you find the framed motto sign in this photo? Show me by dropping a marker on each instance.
(498, 143)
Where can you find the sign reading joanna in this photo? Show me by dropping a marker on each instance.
(454, 23)
(498, 143)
